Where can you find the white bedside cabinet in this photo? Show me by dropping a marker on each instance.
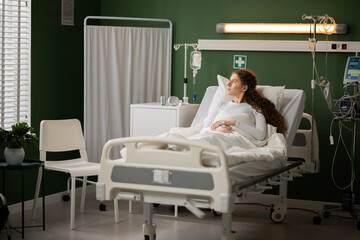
(151, 119)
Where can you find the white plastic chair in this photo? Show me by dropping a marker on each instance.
(62, 136)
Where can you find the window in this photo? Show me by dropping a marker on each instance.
(15, 24)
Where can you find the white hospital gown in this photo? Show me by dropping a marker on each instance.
(247, 119)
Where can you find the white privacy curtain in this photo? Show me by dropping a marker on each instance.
(125, 65)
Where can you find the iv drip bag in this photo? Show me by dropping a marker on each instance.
(195, 60)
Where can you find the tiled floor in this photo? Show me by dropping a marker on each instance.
(250, 222)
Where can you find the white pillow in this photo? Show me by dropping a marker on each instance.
(220, 97)
(274, 94)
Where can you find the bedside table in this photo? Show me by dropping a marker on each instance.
(151, 119)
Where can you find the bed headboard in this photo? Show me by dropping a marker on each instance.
(291, 109)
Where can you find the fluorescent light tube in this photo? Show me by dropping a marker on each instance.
(280, 28)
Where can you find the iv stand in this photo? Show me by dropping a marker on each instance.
(186, 45)
(312, 41)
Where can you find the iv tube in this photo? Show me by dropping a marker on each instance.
(194, 81)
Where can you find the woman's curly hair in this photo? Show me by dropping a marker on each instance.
(258, 102)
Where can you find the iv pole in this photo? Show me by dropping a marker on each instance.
(186, 45)
(312, 45)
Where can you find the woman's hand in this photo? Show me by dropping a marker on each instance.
(225, 126)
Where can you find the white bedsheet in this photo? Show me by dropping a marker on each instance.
(238, 146)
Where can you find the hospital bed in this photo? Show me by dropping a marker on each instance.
(181, 178)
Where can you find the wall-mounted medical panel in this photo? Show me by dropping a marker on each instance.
(277, 45)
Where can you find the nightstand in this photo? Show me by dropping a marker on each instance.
(151, 119)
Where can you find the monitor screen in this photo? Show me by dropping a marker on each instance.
(354, 71)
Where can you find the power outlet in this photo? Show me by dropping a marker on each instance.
(339, 46)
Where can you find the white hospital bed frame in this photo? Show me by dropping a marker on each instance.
(159, 176)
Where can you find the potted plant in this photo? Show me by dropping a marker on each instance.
(15, 140)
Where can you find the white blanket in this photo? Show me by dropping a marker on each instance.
(238, 146)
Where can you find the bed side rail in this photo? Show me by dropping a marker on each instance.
(301, 147)
(166, 151)
(149, 172)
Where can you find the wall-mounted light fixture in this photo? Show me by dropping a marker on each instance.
(280, 28)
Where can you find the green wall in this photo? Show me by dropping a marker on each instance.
(195, 20)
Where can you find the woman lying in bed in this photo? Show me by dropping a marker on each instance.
(249, 111)
(247, 128)
(244, 128)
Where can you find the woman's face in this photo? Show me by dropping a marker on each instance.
(235, 86)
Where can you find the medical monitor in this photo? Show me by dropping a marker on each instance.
(352, 70)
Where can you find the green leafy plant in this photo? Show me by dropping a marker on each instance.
(19, 136)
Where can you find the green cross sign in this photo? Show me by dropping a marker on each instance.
(240, 61)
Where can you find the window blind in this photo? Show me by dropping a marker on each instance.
(15, 26)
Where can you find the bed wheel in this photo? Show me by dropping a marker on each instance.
(317, 220)
(102, 207)
(276, 217)
(66, 197)
(277, 213)
(149, 231)
(228, 236)
(147, 237)
(215, 213)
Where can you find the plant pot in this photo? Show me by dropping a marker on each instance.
(14, 156)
